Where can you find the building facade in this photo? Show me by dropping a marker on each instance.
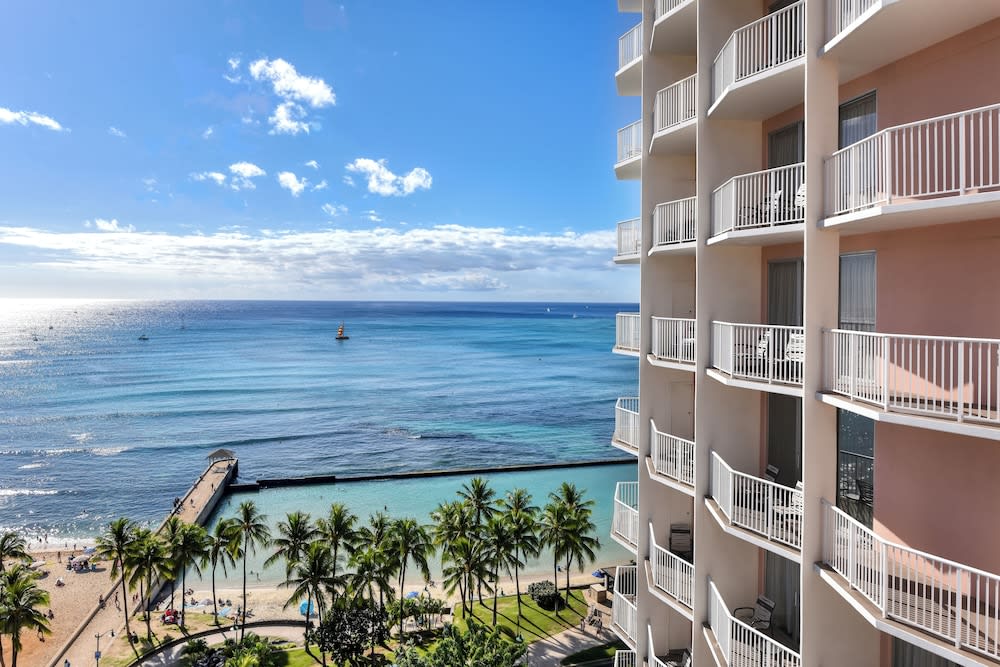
(819, 333)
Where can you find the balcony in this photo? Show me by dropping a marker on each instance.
(625, 519)
(629, 164)
(936, 382)
(765, 357)
(864, 35)
(761, 68)
(677, 658)
(673, 343)
(671, 460)
(762, 208)
(627, 334)
(629, 242)
(625, 659)
(674, 227)
(675, 27)
(628, 78)
(736, 644)
(671, 578)
(945, 169)
(623, 611)
(757, 510)
(626, 435)
(675, 118)
(946, 607)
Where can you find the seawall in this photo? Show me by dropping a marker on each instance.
(417, 474)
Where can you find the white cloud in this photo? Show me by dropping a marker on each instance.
(334, 210)
(214, 176)
(8, 117)
(292, 183)
(382, 181)
(313, 164)
(288, 84)
(104, 225)
(115, 132)
(348, 180)
(286, 119)
(150, 184)
(322, 185)
(376, 261)
(209, 131)
(234, 71)
(372, 216)
(242, 173)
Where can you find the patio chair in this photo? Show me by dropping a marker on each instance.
(790, 515)
(752, 361)
(795, 355)
(763, 213)
(680, 541)
(758, 616)
(678, 658)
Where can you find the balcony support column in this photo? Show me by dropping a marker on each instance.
(821, 608)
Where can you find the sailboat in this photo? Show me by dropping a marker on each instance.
(340, 333)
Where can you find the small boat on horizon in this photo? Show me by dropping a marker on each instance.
(340, 333)
(143, 337)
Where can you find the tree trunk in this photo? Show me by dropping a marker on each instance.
(121, 568)
(305, 638)
(402, 578)
(183, 593)
(215, 606)
(555, 575)
(149, 629)
(496, 596)
(246, 549)
(568, 562)
(517, 588)
(333, 589)
(13, 653)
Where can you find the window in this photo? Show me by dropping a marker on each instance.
(857, 119)
(786, 146)
(905, 654)
(857, 291)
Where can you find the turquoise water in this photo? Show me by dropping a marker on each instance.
(418, 497)
(95, 423)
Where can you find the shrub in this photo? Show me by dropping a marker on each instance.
(545, 595)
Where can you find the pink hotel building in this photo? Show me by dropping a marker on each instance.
(819, 384)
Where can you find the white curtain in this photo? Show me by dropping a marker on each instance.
(784, 292)
(858, 119)
(781, 584)
(857, 291)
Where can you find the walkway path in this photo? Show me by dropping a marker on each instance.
(172, 655)
(550, 652)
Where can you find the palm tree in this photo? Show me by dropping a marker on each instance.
(189, 551)
(499, 554)
(251, 529)
(375, 535)
(219, 552)
(310, 576)
(579, 542)
(19, 607)
(294, 535)
(148, 560)
(522, 520)
(12, 547)
(553, 525)
(478, 495)
(410, 541)
(114, 545)
(339, 531)
(369, 572)
(573, 498)
(457, 568)
(171, 533)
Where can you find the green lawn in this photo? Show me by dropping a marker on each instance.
(536, 623)
(595, 653)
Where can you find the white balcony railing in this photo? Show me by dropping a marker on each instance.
(623, 611)
(741, 645)
(759, 352)
(763, 45)
(667, 6)
(630, 141)
(630, 46)
(946, 156)
(843, 13)
(952, 601)
(629, 239)
(625, 659)
(671, 574)
(627, 332)
(672, 457)
(627, 421)
(755, 504)
(625, 520)
(674, 222)
(675, 104)
(673, 339)
(762, 199)
(937, 376)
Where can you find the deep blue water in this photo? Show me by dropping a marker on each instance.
(95, 423)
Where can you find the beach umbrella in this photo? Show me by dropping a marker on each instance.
(307, 609)
(412, 594)
(597, 573)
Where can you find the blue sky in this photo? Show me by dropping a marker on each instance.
(376, 149)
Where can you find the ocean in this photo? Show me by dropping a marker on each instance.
(96, 423)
